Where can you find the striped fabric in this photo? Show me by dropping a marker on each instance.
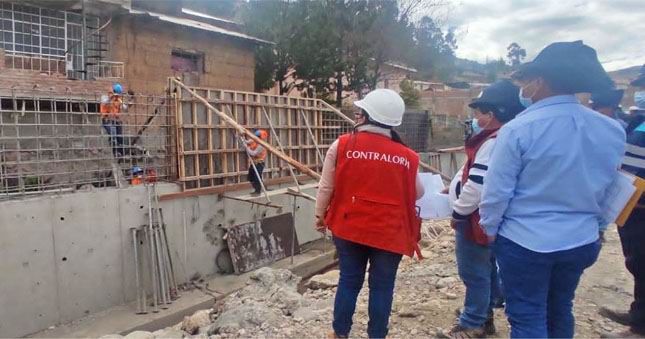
(634, 160)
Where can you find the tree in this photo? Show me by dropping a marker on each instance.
(409, 94)
(435, 50)
(515, 54)
(273, 21)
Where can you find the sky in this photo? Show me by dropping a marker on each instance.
(615, 28)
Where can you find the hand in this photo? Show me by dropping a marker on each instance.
(444, 191)
(320, 225)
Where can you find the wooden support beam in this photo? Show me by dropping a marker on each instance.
(302, 168)
(293, 192)
(226, 188)
(253, 202)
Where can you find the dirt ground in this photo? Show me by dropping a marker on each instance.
(426, 297)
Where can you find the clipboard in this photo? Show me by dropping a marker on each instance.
(639, 184)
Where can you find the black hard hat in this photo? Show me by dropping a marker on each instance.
(503, 97)
(610, 98)
(571, 66)
(640, 80)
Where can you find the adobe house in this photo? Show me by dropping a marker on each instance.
(138, 43)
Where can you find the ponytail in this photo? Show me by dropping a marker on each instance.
(396, 137)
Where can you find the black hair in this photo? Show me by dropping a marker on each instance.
(501, 113)
(396, 137)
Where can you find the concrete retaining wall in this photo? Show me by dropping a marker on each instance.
(66, 256)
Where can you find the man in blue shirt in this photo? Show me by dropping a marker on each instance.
(547, 177)
(632, 234)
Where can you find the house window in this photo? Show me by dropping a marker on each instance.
(183, 62)
(29, 30)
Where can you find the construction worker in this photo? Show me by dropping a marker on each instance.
(258, 155)
(366, 197)
(608, 103)
(544, 186)
(111, 108)
(496, 105)
(632, 234)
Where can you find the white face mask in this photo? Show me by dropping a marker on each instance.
(526, 101)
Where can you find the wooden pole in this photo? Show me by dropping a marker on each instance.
(302, 168)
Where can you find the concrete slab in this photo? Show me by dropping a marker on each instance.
(88, 253)
(29, 299)
(314, 258)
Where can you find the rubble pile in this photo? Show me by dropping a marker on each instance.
(427, 296)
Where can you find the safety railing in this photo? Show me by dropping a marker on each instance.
(106, 70)
(35, 62)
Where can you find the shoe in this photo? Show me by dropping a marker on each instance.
(622, 318)
(256, 193)
(460, 332)
(489, 325)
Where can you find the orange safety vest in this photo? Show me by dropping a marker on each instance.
(259, 157)
(373, 202)
(475, 233)
(112, 109)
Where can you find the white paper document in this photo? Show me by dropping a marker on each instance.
(433, 204)
(617, 196)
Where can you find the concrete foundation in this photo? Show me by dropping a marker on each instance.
(63, 257)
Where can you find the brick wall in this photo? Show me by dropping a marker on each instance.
(451, 102)
(146, 44)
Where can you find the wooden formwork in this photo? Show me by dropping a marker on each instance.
(210, 153)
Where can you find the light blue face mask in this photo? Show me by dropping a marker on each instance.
(639, 99)
(474, 124)
(526, 102)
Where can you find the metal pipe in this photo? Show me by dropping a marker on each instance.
(163, 270)
(160, 267)
(136, 271)
(153, 266)
(166, 250)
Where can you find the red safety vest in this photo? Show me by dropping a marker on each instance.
(475, 233)
(374, 196)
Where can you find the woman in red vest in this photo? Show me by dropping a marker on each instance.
(367, 198)
(496, 105)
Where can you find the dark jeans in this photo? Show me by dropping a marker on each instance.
(632, 238)
(353, 260)
(253, 178)
(114, 130)
(478, 270)
(540, 287)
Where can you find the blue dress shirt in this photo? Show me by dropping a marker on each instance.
(548, 173)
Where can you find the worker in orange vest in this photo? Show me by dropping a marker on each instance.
(366, 197)
(258, 154)
(110, 108)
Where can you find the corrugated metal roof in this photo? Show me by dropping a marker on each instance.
(207, 16)
(199, 25)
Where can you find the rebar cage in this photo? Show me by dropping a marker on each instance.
(50, 141)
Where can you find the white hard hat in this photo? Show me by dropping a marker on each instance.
(384, 106)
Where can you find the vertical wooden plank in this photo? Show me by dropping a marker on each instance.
(209, 121)
(195, 135)
(180, 139)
